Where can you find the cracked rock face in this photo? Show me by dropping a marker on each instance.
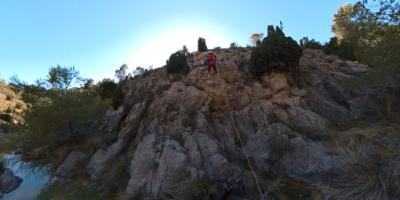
(178, 130)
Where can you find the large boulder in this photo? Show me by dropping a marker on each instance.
(101, 161)
(9, 182)
(71, 165)
(309, 161)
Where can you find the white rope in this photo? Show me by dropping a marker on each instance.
(245, 152)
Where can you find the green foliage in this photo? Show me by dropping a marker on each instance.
(6, 117)
(58, 120)
(62, 78)
(233, 45)
(89, 83)
(1, 167)
(306, 43)
(10, 96)
(344, 49)
(177, 62)
(256, 38)
(371, 30)
(121, 72)
(106, 89)
(201, 45)
(141, 72)
(276, 52)
(77, 190)
(117, 98)
(19, 105)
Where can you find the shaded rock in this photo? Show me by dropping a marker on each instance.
(102, 159)
(306, 121)
(266, 149)
(308, 161)
(275, 81)
(143, 166)
(71, 165)
(327, 108)
(220, 168)
(9, 182)
(111, 119)
(172, 171)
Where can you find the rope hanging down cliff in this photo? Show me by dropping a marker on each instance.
(244, 151)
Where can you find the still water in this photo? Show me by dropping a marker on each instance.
(34, 178)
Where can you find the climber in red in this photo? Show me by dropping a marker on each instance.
(212, 62)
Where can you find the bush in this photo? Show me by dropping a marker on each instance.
(19, 106)
(201, 45)
(59, 121)
(177, 62)
(276, 52)
(1, 167)
(343, 49)
(10, 96)
(306, 43)
(117, 98)
(106, 89)
(6, 117)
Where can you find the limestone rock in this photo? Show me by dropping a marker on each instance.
(9, 182)
(71, 164)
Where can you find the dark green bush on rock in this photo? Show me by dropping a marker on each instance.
(106, 89)
(6, 117)
(276, 52)
(177, 62)
(117, 98)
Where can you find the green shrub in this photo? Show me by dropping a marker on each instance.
(19, 106)
(343, 49)
(201, 45)
(10, 96)
(306, 43)
(276, 52)
(106, 89)
(76, 190)
(6, 117)
(117, 98)
(58, 121)
(177, 62)
(1, 167)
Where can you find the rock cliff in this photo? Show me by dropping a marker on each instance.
(177, 135)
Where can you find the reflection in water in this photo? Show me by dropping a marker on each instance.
(34, 178)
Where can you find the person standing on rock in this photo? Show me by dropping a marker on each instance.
(212, 62)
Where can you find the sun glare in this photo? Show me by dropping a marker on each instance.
(157, 50)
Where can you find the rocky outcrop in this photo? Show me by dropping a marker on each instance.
(175, 131)
(71, 165)
(8, 182)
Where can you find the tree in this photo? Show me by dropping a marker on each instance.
(201, 45)
(234, 45)
(256, 38)
(177, 61)
(61, 78)
(106, 89)
(88, 84)
(276, 52)
(121, 72)
(306, 43)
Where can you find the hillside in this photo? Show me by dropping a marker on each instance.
(180, 136)
(11, 106)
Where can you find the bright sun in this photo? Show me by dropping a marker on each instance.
(156, 51)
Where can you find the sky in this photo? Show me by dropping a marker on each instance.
(98, 36)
